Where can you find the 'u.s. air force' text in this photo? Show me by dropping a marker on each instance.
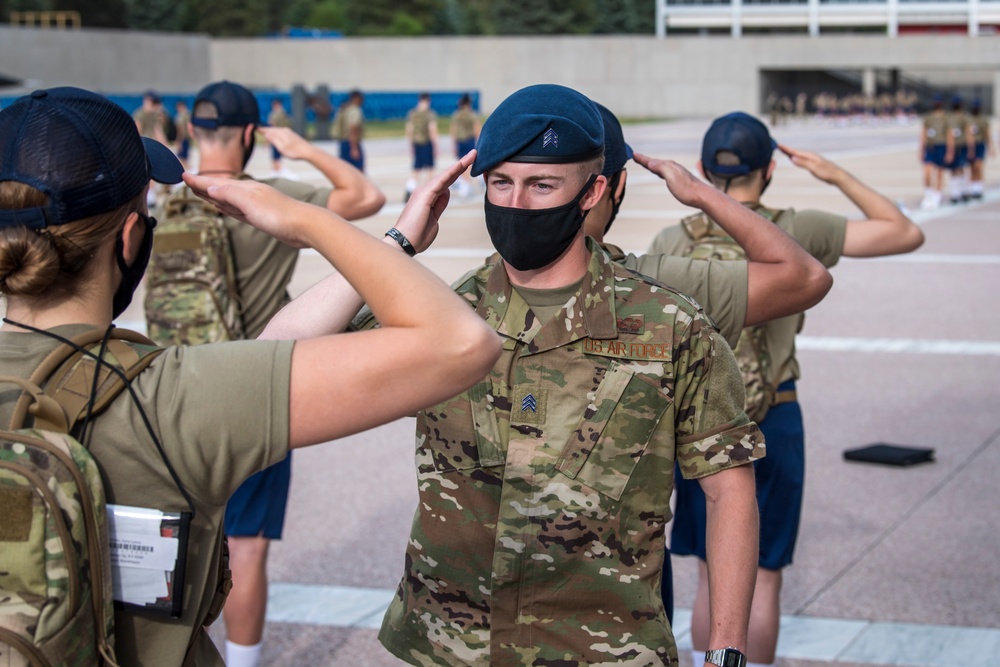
(627, 350)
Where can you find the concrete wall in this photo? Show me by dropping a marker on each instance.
(111, 61)
(635, 76)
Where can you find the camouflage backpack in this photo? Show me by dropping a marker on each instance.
(56, 605)
(708, 241)
(191, 292)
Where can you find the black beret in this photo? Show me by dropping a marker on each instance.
(546, 124)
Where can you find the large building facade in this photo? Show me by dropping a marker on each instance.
(818, 17)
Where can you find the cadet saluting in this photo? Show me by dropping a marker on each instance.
(74, 239)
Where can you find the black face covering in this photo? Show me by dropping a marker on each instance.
(132, 275)
(532, 238)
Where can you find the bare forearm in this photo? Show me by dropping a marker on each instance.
(875, 206)
(731, 544)
(354, 196)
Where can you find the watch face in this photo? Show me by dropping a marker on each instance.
(733, 658)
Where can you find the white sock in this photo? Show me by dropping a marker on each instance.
(411, 185)
(239, 655)
(976, 187)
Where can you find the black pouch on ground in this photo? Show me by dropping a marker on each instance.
(895, 455)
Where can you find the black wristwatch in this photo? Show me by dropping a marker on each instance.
(726, 657)
(403, 242)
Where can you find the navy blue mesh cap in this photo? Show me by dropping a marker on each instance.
(80, 149)
(235, 106)
(616, 151)
(545, 124)
(740, 134)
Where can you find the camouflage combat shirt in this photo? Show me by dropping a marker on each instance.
(545, 488)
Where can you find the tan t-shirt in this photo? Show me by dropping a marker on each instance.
(464, 124)
(935, 130)
(420, 121)
(719, 287)
(821, 234)
(264, 265)
(213, 443)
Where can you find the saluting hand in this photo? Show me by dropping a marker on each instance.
(257, 204)
(817, 165)
(290, 144)
(682, 183)
(419, 220)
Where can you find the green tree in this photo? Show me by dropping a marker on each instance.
(560, 17)
(160, 15)
(229, 18)
(626, 17)
(98, 13)
(326, 14)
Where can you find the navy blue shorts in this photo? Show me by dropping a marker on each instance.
(779, 477)
(257, 508)
(345, 155)
(185, 149)
(423, 156)
(960, 159)
(934, 154)
(275, 153)
(980, 151)
(463, 147)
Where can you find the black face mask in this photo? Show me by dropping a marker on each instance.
(132, 275)
(532, 238)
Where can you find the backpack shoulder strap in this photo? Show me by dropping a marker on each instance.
(67, 375)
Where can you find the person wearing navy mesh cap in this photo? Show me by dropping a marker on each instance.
(545, 489)
(190, 424)
(737, 157)
(225, 118)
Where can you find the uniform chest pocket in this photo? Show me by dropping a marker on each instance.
(605, 448)
(461, 434)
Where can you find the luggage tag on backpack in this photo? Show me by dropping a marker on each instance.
(148, 556)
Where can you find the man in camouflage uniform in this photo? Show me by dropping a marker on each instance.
(545, 488)
(224, 120)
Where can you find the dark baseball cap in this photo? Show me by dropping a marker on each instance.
(740, 134)
(235, 106)
(544, 124)
(81, 150)
(616, 151)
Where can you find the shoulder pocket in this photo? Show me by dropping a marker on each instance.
(605, 448)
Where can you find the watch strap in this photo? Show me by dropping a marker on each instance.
(726, 657)
(403, 242)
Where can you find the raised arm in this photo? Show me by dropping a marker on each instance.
(345, 383)
(782, 278)
(884, 231)
(329, 306)
(353, 196)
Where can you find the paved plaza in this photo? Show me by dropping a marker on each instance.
(894, 566)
